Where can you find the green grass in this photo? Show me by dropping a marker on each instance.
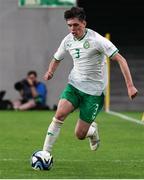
(121, 152)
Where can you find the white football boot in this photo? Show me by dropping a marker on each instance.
(94, 140)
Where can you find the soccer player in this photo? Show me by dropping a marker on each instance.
(87, 80)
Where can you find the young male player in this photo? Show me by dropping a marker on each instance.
(87, 80)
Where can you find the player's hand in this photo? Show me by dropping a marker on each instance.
(48, 75)
(132, 92)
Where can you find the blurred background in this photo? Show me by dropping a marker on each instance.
(30, 36)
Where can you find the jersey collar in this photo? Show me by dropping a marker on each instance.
(81, 37)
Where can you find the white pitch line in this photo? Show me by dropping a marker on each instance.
(80, 160)
(10, 159)
(127, 118)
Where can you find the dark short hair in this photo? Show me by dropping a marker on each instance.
(75, 12)
(32, 72)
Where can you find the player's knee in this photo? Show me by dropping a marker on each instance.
(61, 116)
(80, 135)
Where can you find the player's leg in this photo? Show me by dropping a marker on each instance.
(66, 105)
(88, 130)
(64, 108)
(86, 127)
(81, 129)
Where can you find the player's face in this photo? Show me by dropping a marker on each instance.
(76, 27)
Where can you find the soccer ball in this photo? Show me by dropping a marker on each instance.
(41, 160)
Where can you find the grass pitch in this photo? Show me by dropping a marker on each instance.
(120, 155)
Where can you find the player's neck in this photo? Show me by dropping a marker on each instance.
(82, 36)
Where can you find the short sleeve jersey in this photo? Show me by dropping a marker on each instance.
(89, 72)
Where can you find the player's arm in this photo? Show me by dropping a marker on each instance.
(58, 57)
(132, 91)
(51, 69)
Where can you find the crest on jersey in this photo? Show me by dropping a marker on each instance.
(69, 45)
(86, 45)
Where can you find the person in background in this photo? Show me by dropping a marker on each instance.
(33, 93)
